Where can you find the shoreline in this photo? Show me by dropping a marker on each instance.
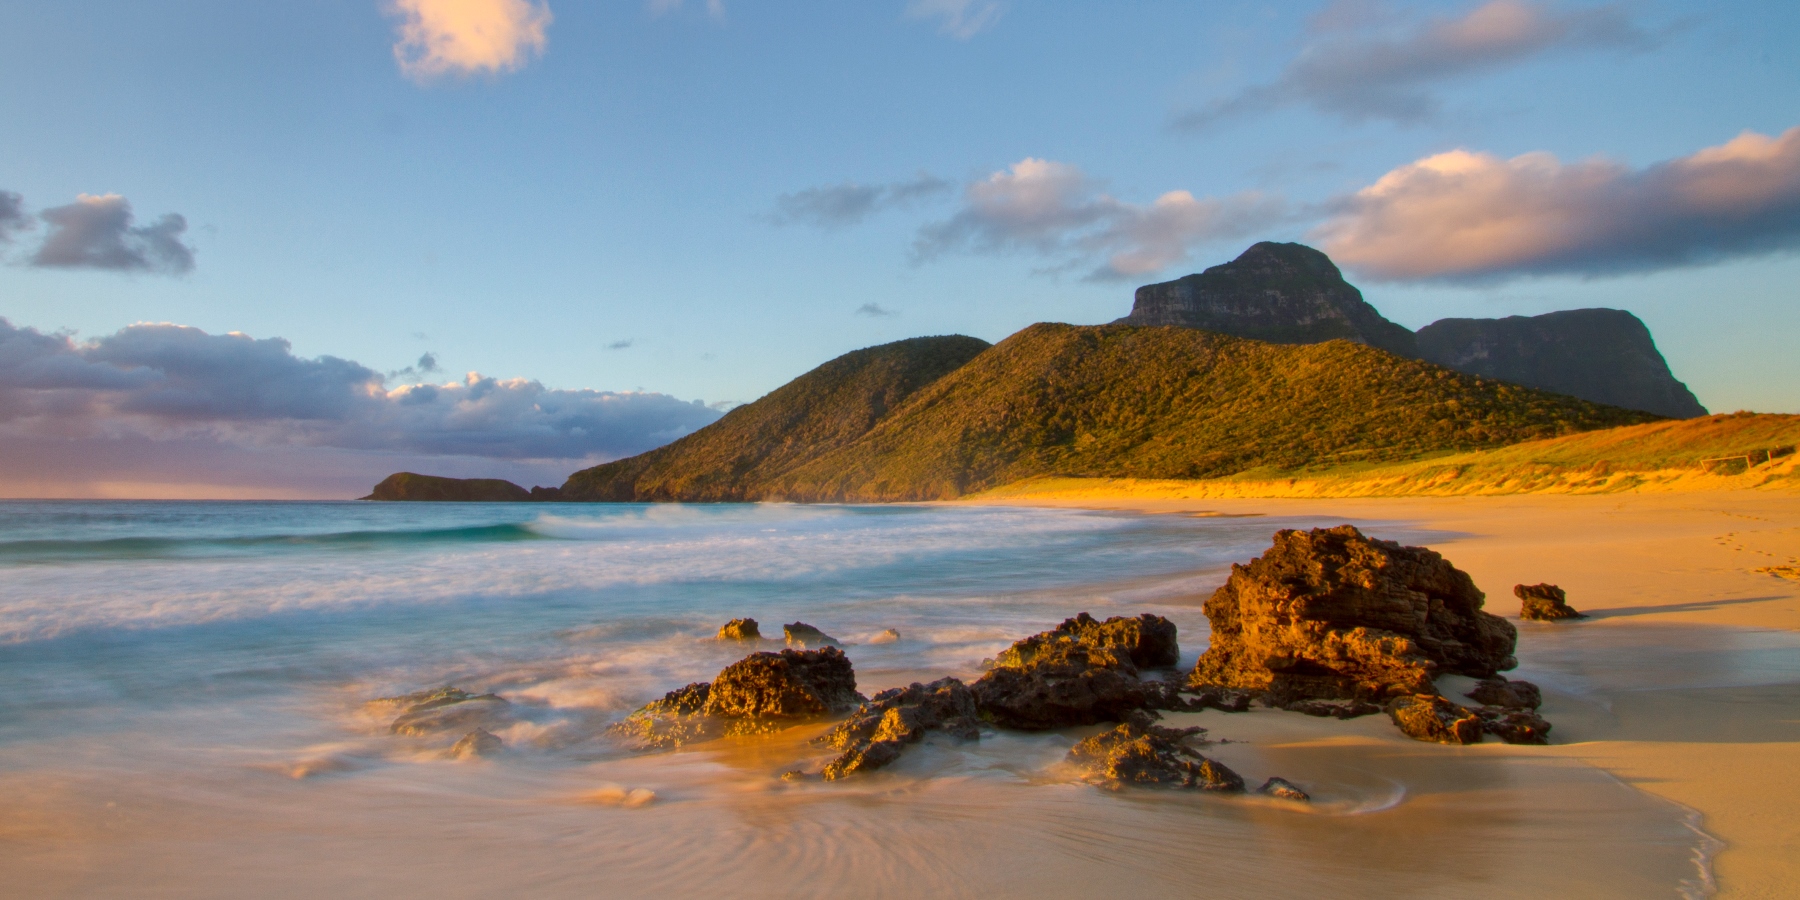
(1730, 751)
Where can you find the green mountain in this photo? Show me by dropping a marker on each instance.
(935, 418)
(755, 445)
(413, 486)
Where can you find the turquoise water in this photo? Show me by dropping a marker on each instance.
(185, 714)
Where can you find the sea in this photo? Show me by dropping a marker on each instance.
(188, 708)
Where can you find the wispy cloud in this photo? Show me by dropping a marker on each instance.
(840, 205)
(467, 37)
(1055, 210)
(715, 9)
(960, 19)
(1363, 64)
(12, 216)
(96, 232)
(1473, 216)
(874, 310)
(620, 345)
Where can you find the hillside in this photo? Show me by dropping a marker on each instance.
(737, 457)
(1109, 401)
(413, 486)
(1723, 452)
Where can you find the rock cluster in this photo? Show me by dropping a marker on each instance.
(894, 719)
(1080, 673)
(1544, 603)
(1333, 615)
(1141, 752)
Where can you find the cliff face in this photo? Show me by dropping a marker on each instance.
(1280, 293)
(1603, 355)
(412, 486)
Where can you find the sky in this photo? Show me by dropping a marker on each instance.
(281, 250)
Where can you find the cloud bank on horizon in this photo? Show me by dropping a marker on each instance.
(153, 384)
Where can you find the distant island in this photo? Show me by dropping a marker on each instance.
(1270, 366)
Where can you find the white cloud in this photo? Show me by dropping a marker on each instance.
(96, 232)
(1464, 215)
(1055, 210)
(960, 19)
(466, 37)
(1357, 75)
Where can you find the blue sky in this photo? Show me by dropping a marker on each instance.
(703, 200)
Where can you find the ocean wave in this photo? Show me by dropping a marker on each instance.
(67, 550)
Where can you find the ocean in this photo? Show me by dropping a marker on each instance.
(186, 711)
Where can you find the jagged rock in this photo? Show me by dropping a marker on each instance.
(1511, 694)
(477, 743)
(1065, 683)
(678, 718)
(804, 636)
(881, 729)
(1280, 293)
(1141, 752)
(445, 709)
(1544, 603)
(1333, 615)
(887, 636)
(1603, 355)
(1150, 641)
(791, 684)
(1336, 709)
(1514, 726)
(1283, 789)
(740, 630)
(1429, 717)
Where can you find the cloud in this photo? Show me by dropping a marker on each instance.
(12, 216)
(960, 19)
(840, 205)
(1473, 216)
(620, 345)
(467, 37)
(714, 8)
(874, 310)
(1359, 76)
(165, 382)
(95, 232)
(1055, 210)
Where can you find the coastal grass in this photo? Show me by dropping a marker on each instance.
(1720, 452)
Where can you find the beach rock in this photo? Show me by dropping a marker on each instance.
(1141, 752)
(806, 637)
(791, 684)
(1283, 789)
(887, 636)
(1510, 694)
(1149, 640)
(1514, 726)
(1336, 709)
(678, 718)
(432, 712)
(1429, 717)
(1064, 683)
(1333, 615)
(740, 630)
(477, 743)
(1544, 603)
(881, 729)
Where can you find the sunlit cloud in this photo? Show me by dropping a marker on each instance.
(467, 37)
(960, 19)
(96, 232)
(1473, 216)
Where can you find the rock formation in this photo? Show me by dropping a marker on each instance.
(740, 630)
(1514, 726)
(1332, 615)
(412, 486)
(1080, 673)
(1141, 752)
(804, 636)
(432, 712)
(476, 744)
(678, 718)
(1429, 717)
(1283, 789)
(1544, 603)
(1603, 355)
(881, 729)
(1149, 640)
(1505, 693)
(791, 684)
(1280, 293)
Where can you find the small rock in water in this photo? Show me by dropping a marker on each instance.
(1429, 717)
(1141, 752)
(740, 630)
(619, 795)
(1514, 726)
(445, 709)
(806, 637)
(1511, 694)
(1544, 603)
(792, 684)
(477, 743)
(1336, 709)
(878, 732)
(886, 637)
(1284, 789)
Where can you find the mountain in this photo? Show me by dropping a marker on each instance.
(1121, 401)
(1604, 355)
(412, 486)
(754, 445)
(1281, 293)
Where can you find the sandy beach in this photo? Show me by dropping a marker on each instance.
(1696, 715)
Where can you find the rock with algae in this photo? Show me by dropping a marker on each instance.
(740, 630)
(1082, 672)
(881, 729)
(1140, 752)
(760, 693)
(1429, 717)
(806, 637)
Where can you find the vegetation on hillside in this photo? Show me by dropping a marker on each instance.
(413, 486)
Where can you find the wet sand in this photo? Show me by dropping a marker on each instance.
(1685, 685)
